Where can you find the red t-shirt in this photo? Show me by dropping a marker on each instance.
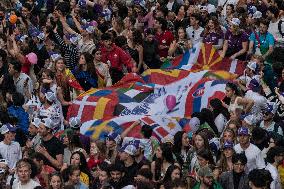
(165, 38)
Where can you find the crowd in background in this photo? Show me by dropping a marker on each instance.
(51, 51)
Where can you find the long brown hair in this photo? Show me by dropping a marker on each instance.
(216, 26)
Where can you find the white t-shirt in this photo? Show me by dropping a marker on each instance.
(254, 157)
(19, 83)
(170, 5)
(276, 183)
(273, 29)
(194, 35)
(220, 122)
(30, 185)
(12, 153)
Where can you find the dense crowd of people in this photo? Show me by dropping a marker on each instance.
(53, 50)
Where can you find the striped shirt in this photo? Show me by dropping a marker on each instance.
(71, 54)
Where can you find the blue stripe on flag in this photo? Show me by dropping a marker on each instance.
(217, 82)
(197, 99)
(184, 60)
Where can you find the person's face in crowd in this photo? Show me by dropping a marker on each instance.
(75, 159)
(11, 69)
(82, 60)
(211, 25)
(32, 129)
(190, 10)
(123, 156)
(103, 177)
(207, 181)
(159, 153)
(110, 143)
(55, 182)
(193, 21)
(25, 12)
(73, 4)
(49, 45)
(9, 97)
(269, 15)
(204, 13)
(129, 12)
(234, 28)
(202, 161)
(150, 37)
(199, 142)
(232, 126)
(175, 174)
(263, 28)
(75, 177)
(116, 175)
(267, 116)
(185, 140)
(127, 23)
(228, 152)
(238, 167)
(107, 44)
(42, 130)
(279, 158)
(98, 56)
(24, 174)
(186, 3)
(65, 140)
(157, 25)
(244, 139)
(181, 10)
(130, 34)
(93, 148)
(181, 33)
(229, 10)
(159, 14)
(249, 72)
(45, 76)
(229, 92)
(235, 115)
(228, 136)
(10, 136)
(171, 16)
(60, 66)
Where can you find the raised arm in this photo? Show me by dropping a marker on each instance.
(65, 25)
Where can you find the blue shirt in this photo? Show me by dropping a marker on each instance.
(266, 40)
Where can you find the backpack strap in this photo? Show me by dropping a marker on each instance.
(12, 180)
(279, 28)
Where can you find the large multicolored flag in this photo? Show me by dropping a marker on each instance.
(115, 108)
(205, 57)
(163, 126)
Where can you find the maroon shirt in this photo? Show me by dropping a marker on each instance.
(165, 38)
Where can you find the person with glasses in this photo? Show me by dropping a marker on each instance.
(236, 178)
(268, 123)
(194, 30)
(252, 152)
